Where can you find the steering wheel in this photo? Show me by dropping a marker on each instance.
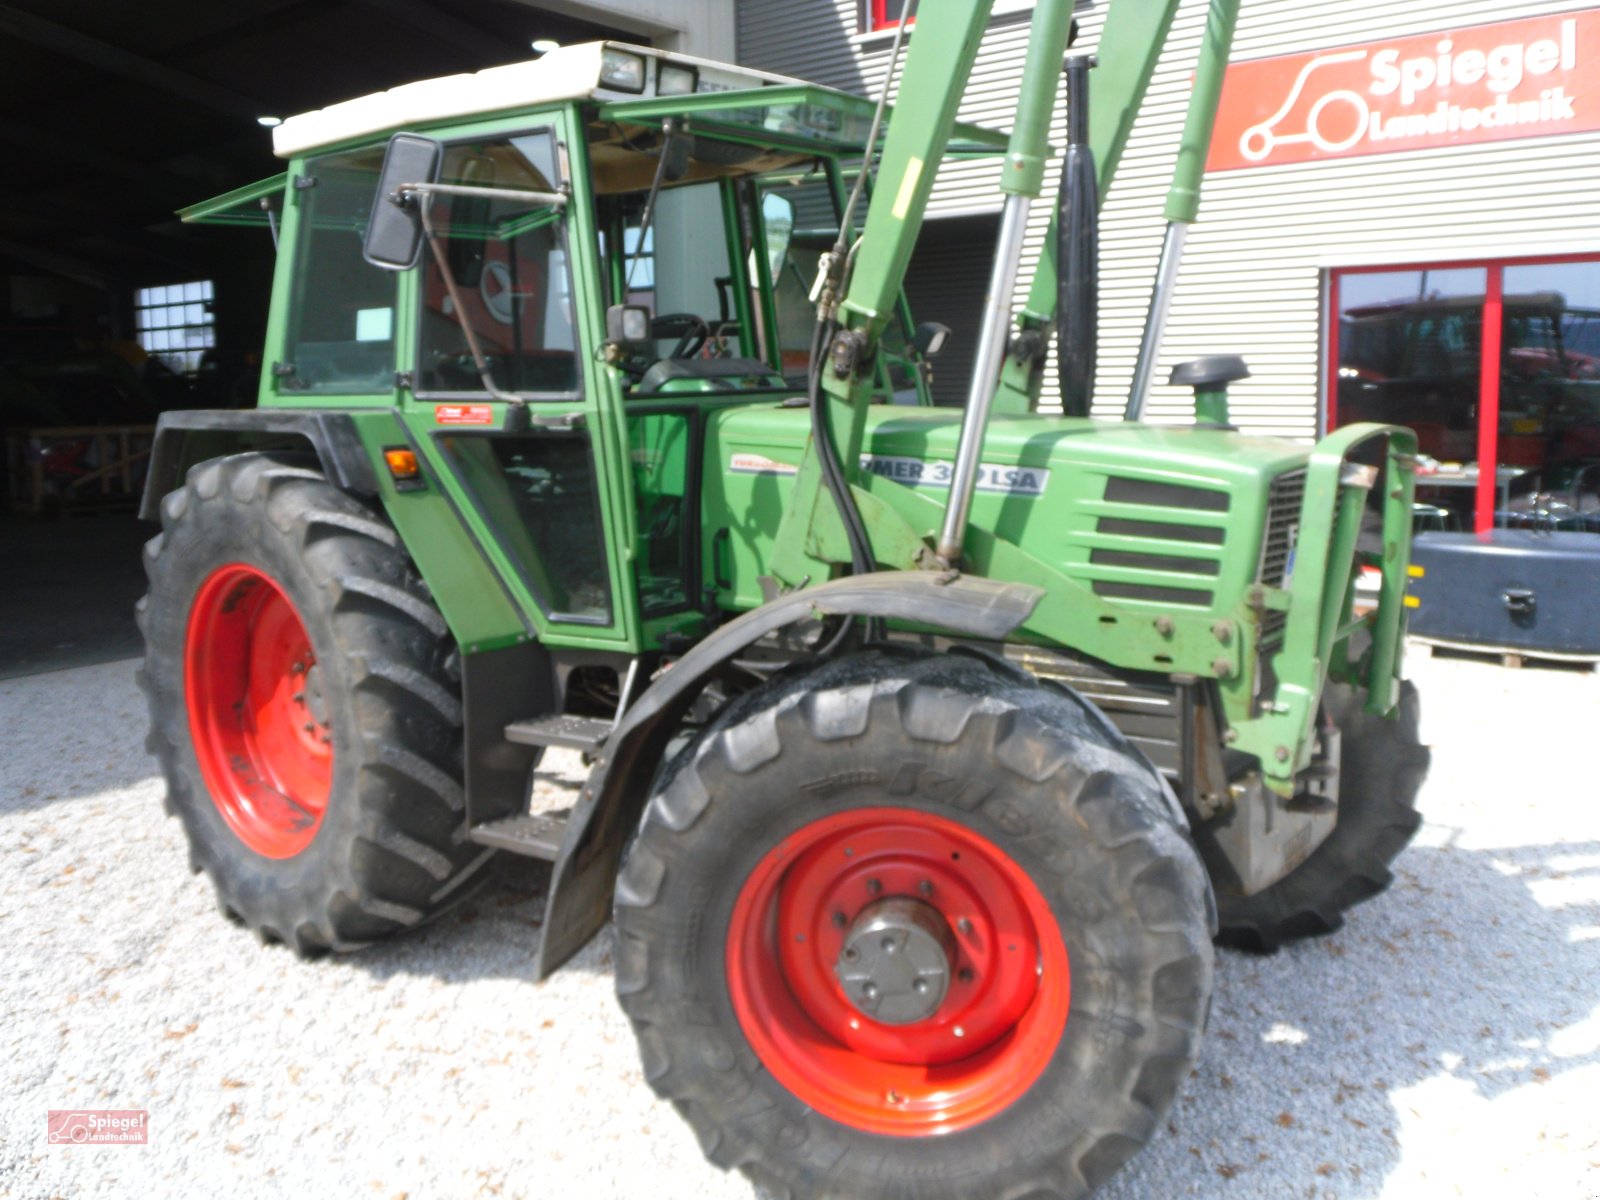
(690, 330)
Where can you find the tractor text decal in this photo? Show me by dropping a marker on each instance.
(914, 472)
(1484, 83)
(760, 464)
(463, 414)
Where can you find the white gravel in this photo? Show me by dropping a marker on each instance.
(1446, 1044)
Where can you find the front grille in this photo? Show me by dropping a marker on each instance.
(1278, 546)
(1153, 511)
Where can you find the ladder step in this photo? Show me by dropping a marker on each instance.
(538, 835)
(569, 732)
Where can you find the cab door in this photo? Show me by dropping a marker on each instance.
(542, 487)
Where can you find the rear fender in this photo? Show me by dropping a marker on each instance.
(614, 797)
(184, 438)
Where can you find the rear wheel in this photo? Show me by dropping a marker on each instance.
(907, 925)
(1382, 764)
(304, 707)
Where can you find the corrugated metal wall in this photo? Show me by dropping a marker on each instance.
(949, 268)
(1253, 277)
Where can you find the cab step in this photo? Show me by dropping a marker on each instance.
(536, 835)
(566, 731)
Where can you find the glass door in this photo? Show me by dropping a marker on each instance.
(1496, 367)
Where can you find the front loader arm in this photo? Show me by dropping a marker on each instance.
(938, 67)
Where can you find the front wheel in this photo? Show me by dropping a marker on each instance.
(914, 924)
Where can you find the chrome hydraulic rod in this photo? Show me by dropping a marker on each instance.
(985, 375)
(1183, 199)
(1155, 322)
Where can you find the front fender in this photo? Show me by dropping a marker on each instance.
(612, 800)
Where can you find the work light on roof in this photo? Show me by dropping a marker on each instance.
(621, 71)
(676, 79)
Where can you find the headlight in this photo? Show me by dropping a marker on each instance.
(675, 79)
(621, 71)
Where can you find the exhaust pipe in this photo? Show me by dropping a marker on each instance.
(1078, 250)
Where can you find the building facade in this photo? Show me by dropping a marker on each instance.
(1400, 221)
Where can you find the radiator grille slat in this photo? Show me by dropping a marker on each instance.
(1278, 546)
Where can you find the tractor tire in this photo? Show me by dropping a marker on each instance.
(304, 707)
(1382, 763)
(927, 801)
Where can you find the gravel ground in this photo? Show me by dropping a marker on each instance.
(1446, 1044)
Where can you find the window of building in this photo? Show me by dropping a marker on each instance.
(1496, 366)
(174, 324)
(884, 14)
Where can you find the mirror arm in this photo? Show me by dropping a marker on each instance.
(554, 199)
(425, 208)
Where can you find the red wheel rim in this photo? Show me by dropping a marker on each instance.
(256, 712)
(991, 1036)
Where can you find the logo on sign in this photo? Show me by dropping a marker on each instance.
(1487, 83)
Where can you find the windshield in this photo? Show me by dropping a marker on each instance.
(509, 261)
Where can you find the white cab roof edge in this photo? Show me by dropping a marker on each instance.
(572, 72)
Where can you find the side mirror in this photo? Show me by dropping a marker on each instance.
(930, 338)
(394, 229)
(777, 214)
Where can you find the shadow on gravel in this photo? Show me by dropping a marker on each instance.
(1464, 972)
(495, 934)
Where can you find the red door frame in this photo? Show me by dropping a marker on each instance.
(1489, 361)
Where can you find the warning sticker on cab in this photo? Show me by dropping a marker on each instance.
(463, 414)
(914, 472)
(760, 464)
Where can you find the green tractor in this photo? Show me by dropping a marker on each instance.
(929, 749)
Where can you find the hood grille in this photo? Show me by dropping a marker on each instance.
(1153, 511)
(1278, 546)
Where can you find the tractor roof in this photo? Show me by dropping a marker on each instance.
(586, 71)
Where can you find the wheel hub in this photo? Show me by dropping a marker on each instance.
(895, 962)
(258, 711)
(838, 925)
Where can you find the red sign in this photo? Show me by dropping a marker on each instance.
(1485, 83)
(463, 414)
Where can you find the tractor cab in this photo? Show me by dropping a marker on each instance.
(598, 177)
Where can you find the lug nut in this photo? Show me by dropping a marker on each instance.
(964, 925)
(310, 728)
(869, 990)
(920, 987)
(298, 697)
(840, 920)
